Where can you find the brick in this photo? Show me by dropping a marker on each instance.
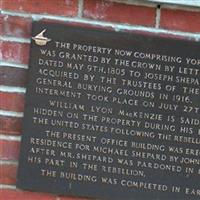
(1, 23)
(12, 101)
(11, 76)
(1, 47)
(8, 174)
(117, 12)
(72, 198)
(53, 7)
(15, 52)
(180, 20)
(9, 150)
(9, 194)
(10, 125)
(15, 26)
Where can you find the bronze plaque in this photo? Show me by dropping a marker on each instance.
(111, 115)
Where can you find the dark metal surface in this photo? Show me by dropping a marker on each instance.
(29, 174)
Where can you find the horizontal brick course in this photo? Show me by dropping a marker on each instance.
(12, 101)
(24, 195)
(117, 12)
(73, 198)
(8, 174)
(10, 125)
(15, 26)
(11, 76)
(180, 20)
(53, 7)
(9, 150)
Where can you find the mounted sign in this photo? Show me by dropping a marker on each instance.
(111, 115)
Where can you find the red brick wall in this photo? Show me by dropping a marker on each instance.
(15, 26)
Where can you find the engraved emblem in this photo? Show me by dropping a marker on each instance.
(40, 39)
